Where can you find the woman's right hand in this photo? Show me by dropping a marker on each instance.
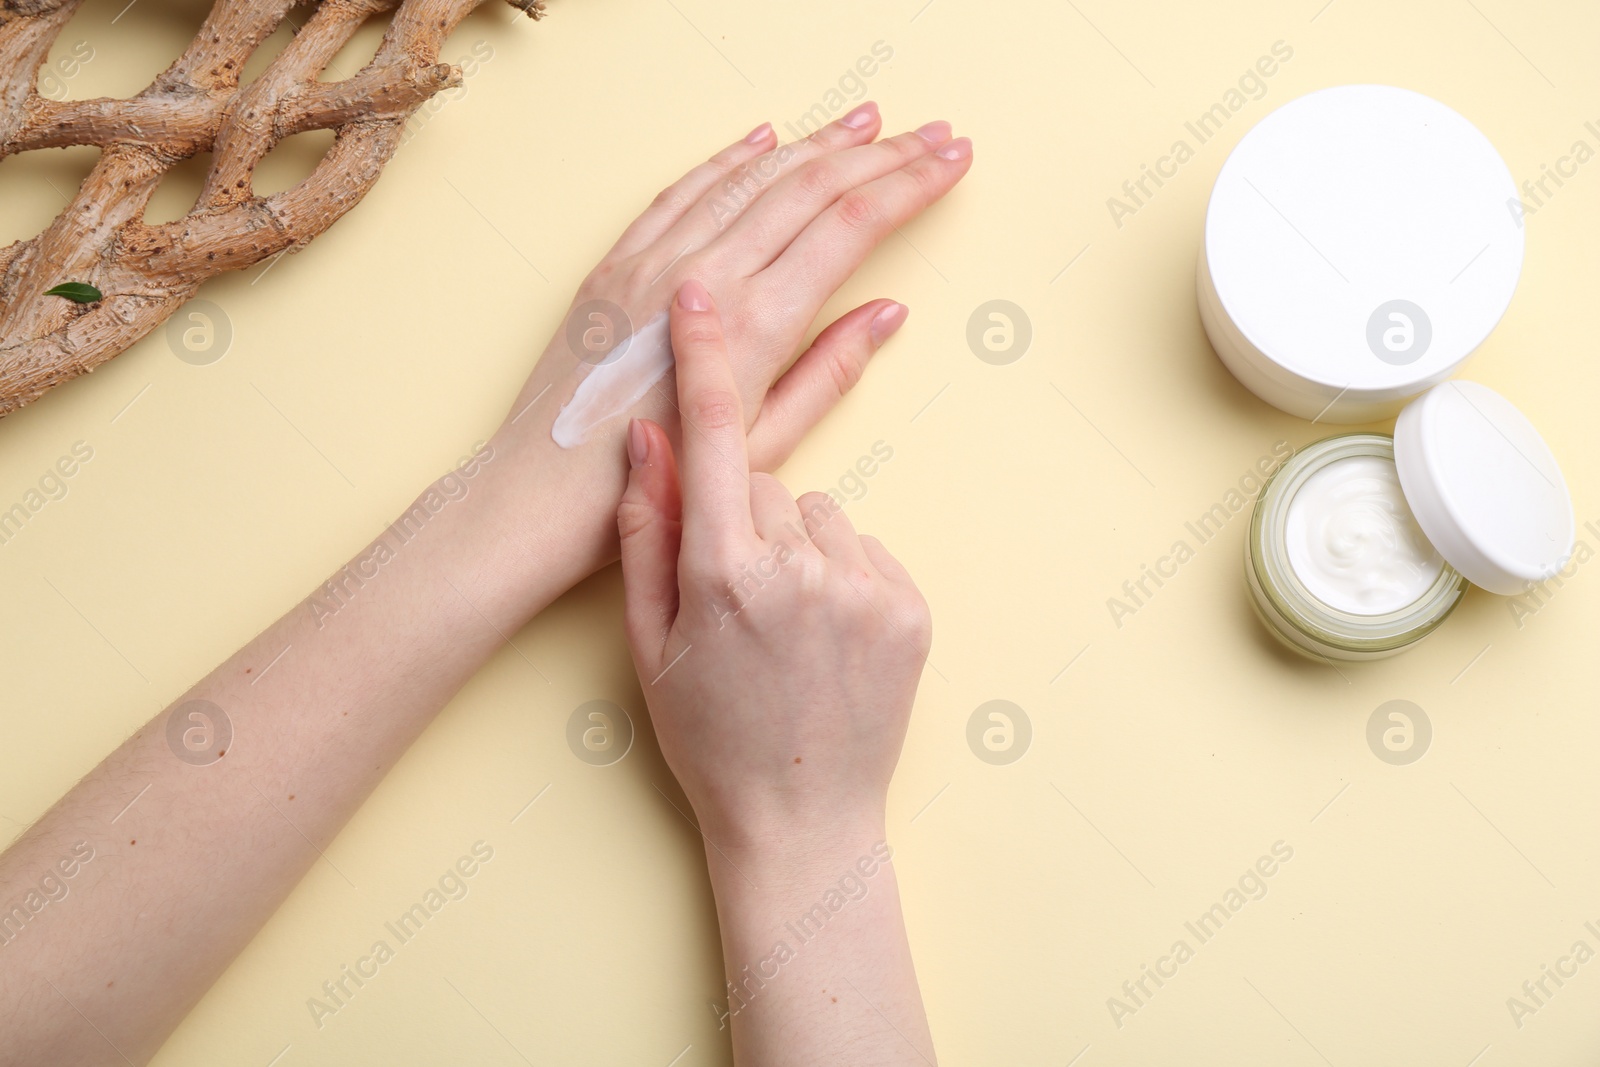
(779, 651)
(779, 654)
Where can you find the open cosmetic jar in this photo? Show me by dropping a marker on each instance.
(1360, 242)
(1360, 545)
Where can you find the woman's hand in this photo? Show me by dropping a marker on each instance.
(779, 651)
(779, 654)
(380, 647)
(773, 231)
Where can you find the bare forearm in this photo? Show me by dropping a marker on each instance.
(186, 838)
(818, 967)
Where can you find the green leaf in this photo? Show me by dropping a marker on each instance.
(77, 292)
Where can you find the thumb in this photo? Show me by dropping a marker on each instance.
(649, 520)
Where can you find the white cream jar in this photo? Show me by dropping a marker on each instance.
(1359, 245)
(1361, 545)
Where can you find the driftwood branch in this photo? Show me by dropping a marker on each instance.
(196, 105)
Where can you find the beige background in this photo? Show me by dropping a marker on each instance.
(1172, 752)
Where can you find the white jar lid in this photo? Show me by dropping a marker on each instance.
(1484, 486)
(1361, 244)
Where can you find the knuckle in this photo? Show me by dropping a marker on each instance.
(701, 332)
(634, 514)
(815, 500)
(739, 186)
(600, 282)
(791, 154)
(908, 147)
(855, 610)
(635, 280)
(617, 280)
(875, 547)
(817, 509)
(914, 619)
(858, 212)
(845, 370)
(926, 182)
(813, 584)
(672, 198)
(817, 180)
(716, 409)
(860, 580)
(771, 165)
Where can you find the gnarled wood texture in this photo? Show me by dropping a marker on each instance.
(195, 105)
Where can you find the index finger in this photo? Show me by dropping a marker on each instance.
(716, 466)
(835, 243)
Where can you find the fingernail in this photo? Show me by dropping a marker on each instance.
(887, 322)
(960, 148)
(759, 134)
(861, 115)
(638, 443)
(935, 132)
(692, 296)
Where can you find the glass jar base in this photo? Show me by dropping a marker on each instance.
(1290, 611)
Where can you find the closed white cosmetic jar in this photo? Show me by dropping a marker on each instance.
(1360, 242)
(1362, 544)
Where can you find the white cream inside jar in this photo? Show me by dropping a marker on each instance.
(1336, 563)
(1353, 542)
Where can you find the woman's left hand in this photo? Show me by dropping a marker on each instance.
(772, 231)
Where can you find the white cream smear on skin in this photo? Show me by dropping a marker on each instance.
(1353, 541)
(615, 385)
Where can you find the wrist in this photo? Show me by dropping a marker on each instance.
(796, 851)
(543, 518)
